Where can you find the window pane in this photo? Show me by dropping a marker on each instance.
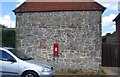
(20, 54)
(6, 56)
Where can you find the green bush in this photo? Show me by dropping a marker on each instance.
(8, 37)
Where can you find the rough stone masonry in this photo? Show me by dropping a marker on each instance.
(75, 27)
(78, 34)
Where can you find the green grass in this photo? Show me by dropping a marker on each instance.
(102, 72)
(80, 72)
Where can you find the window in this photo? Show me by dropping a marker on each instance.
(6, 56)
(20, 54)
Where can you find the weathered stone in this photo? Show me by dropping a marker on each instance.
(78, 36)
(93, 54)
(97, 60)
(69, 55)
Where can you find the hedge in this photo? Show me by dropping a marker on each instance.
(8, 37)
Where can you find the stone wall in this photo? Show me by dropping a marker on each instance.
(78, 34)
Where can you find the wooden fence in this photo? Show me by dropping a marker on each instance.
(111, 55)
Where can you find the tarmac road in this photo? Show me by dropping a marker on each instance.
(112, 70)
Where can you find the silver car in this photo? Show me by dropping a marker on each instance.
(14, 62)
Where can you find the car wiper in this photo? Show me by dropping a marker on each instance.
(28, 58)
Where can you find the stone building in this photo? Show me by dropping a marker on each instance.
(74, 26)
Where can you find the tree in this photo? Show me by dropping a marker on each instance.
(2, 26)
(108, 34)
(7, 36)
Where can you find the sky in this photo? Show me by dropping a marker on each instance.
(8, 18)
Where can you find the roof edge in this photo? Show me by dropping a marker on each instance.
(18, 7)
(102, 8)
(117, 17)
(55, 11)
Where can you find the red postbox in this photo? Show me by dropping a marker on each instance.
(56, 50)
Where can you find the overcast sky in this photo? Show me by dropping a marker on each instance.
(7, 17)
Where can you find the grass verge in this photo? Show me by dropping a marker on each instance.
(80, 72)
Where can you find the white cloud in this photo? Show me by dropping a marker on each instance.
(21, 1)
(6, 20)
(107, 0)
(18, 5)
(113, 27)
(114, 7)
(107, 22)
(104, 33)
(111, 30)
(110, 5)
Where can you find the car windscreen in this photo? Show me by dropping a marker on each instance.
(20, 54)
